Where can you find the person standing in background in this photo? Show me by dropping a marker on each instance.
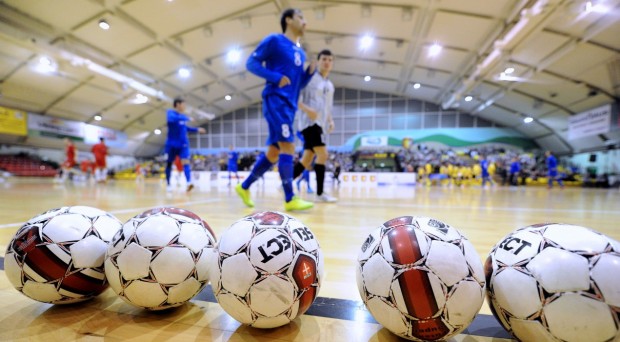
(177, 143)
(100, 151)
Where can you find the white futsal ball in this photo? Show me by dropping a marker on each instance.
(57, 257)
(160, 259)
(270, 269)
(420, 278)
(556, 282)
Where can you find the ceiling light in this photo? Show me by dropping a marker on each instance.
(104, 24)
(157, 131)
(184, 72)
(227, 97)
(367, 78)
(366, 42)
(528, 119)
(140, 99)
(434, 50)
(596, 8)
(416, 86)
(46, 65)
(468, 98)
(97, 117)
(233, 56)
(509, 70)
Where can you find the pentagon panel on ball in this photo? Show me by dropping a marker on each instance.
(420, 278)
(161, 258)
(556, 282)
(270, 269)
(58, 256)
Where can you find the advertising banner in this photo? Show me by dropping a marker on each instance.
(14, 122)
(592, 122)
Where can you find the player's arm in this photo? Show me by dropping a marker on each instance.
(307, 76)
(312, 114)
(328, 112)
(254, 63)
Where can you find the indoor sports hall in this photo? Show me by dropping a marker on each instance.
(425, 92)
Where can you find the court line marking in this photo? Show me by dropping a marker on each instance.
(123, 211)
(481, 208)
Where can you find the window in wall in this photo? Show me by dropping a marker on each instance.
(366, 124)
(338, 124)
(366, 95)
(382, 107)
(399, 106)
(335, 139)
(431, 120)
(338, 94)
(337, 110)
(347, 136)
(351, 95)
(480, 122)
(216, 141)
(253, 112)
(228, 127)
(216, 126)
(466, 120)
(398, 121)
(350, 109)
(448, 120)
(367, 108)
(227, 140)
(430, 107)
(240, 141)
(414, 106)
(382, 96)
(382, 122)
(253, 141)
(414, 121)
(240, 126)
(350, 124)
(263, 126)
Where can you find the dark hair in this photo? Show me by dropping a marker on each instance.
(101, 139)
(176, 101)
(324, 53)
(288, 13)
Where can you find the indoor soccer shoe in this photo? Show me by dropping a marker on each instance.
(245, 195)
(297, 204)
(326, 198)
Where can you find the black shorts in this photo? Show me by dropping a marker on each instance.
(313, 137)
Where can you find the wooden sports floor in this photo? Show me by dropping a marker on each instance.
(483, 215)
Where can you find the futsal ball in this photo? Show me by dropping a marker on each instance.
(160, 258)
(57, 257)
(269, 269)
(420, 278)
(556, 282)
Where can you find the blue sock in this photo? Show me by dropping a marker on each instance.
(285, 167)
(262, 165)
(188, 173)
(168, 171)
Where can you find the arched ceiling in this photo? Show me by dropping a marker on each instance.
(565, 55)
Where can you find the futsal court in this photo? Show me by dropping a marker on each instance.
(484, 216)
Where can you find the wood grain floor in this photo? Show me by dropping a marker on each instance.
(483, 215)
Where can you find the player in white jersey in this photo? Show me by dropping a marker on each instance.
(315, 116)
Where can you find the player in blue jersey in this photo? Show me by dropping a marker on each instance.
(233, 160)
(279, 59)
(552, 170)
(515, 168)
(484, 171)
(177, 143)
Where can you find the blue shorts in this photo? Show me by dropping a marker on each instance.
(280, 116)
(232, 167)
(553, 173)
(174, 151)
